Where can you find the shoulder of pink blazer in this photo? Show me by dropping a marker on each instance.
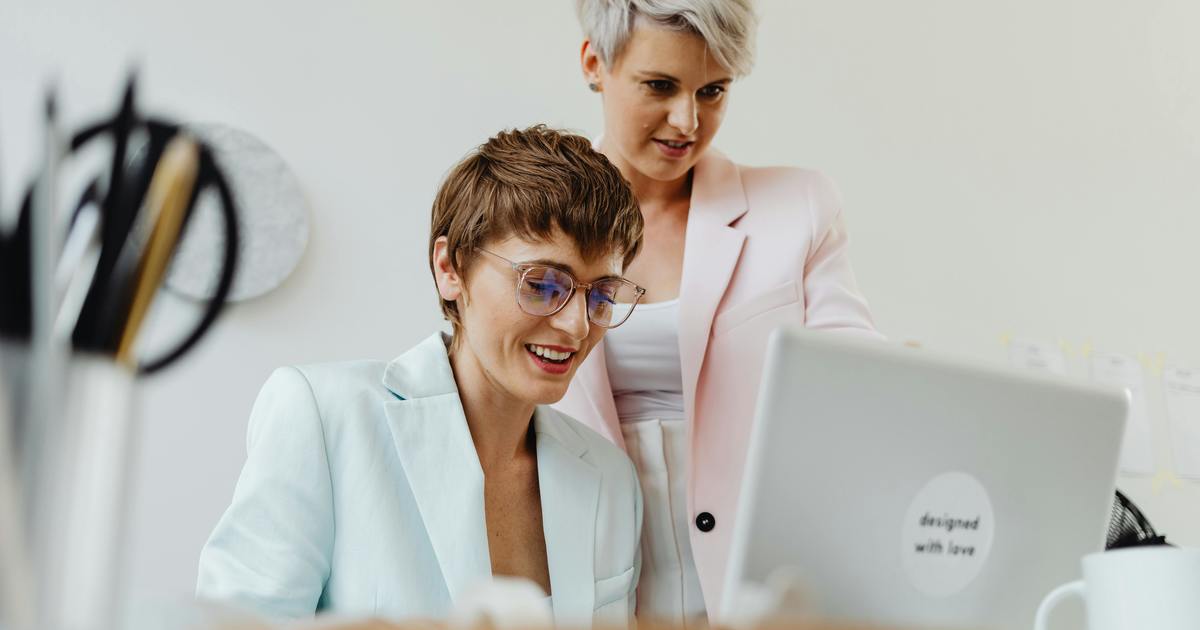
(804, 201)
(792, 195)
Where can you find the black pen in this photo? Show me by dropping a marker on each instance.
(89, 333)
(15, 304)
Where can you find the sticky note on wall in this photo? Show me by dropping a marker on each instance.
(1037, 356)
(1182, 389)
(1137, 449)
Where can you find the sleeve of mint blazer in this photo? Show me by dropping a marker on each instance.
(271, 550)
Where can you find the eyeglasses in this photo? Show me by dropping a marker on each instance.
(544, 290)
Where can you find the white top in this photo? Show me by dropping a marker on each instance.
(647, 381)
(643, 363)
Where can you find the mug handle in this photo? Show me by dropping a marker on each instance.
(1052, 600)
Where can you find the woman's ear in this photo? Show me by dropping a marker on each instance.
(449, 282)
(590, 64)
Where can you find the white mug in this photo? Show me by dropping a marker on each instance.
(1134, 589)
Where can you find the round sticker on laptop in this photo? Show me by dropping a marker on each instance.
(947, 534)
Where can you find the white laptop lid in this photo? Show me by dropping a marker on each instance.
(910, 489)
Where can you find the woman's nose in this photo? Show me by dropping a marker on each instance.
(683, 116)
(573, 318)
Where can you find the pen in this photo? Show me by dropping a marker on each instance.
(165, 209)
(77, 267)
(89, 333)
(15, 318)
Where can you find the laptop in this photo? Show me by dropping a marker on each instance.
(910, 489)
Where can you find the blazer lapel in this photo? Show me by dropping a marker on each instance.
(708, 261)
(430, 432)
(592, 379)
(570, 493)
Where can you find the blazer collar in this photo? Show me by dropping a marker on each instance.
(548, 423)
(718, 200)
(570, 495)
(430, 433)
(423, 371)
(429, 430)
(717, 193)
(592, 380)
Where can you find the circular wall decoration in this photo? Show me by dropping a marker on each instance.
(272, 217)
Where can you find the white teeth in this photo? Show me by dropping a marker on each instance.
(547, 353)
(675, 145)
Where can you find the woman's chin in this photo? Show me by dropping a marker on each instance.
(662, 170)
(546, 394)
(539, 389)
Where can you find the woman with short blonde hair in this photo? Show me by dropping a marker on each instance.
(730, 252)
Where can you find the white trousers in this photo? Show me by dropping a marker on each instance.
(669, 589)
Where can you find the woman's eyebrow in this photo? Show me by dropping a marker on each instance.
(654, 74)
(552, 263)
(567, 268)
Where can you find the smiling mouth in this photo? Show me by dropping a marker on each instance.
(548, 354)
(674, 144)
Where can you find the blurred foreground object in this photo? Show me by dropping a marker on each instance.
(77, 285)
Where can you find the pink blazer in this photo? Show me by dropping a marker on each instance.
(764, 246)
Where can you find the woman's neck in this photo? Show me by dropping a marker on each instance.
(499, 424)
(656, 195)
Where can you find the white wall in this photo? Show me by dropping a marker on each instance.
(1025, 168)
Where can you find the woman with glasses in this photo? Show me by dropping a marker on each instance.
(731, 252)
(394, 489)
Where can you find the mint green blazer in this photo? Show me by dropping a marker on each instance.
(362, 495)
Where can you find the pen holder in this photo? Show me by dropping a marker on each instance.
(77, 498)
(16, 578)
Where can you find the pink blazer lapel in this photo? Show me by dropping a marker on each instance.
(592, 380)
(709, 259)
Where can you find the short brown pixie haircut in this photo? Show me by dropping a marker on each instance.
(526, 183)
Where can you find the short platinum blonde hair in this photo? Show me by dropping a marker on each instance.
(727, 26)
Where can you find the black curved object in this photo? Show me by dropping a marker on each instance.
(209, 172)
(107, 302)
(1128, 527)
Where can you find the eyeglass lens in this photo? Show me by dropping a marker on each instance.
(543, 291)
